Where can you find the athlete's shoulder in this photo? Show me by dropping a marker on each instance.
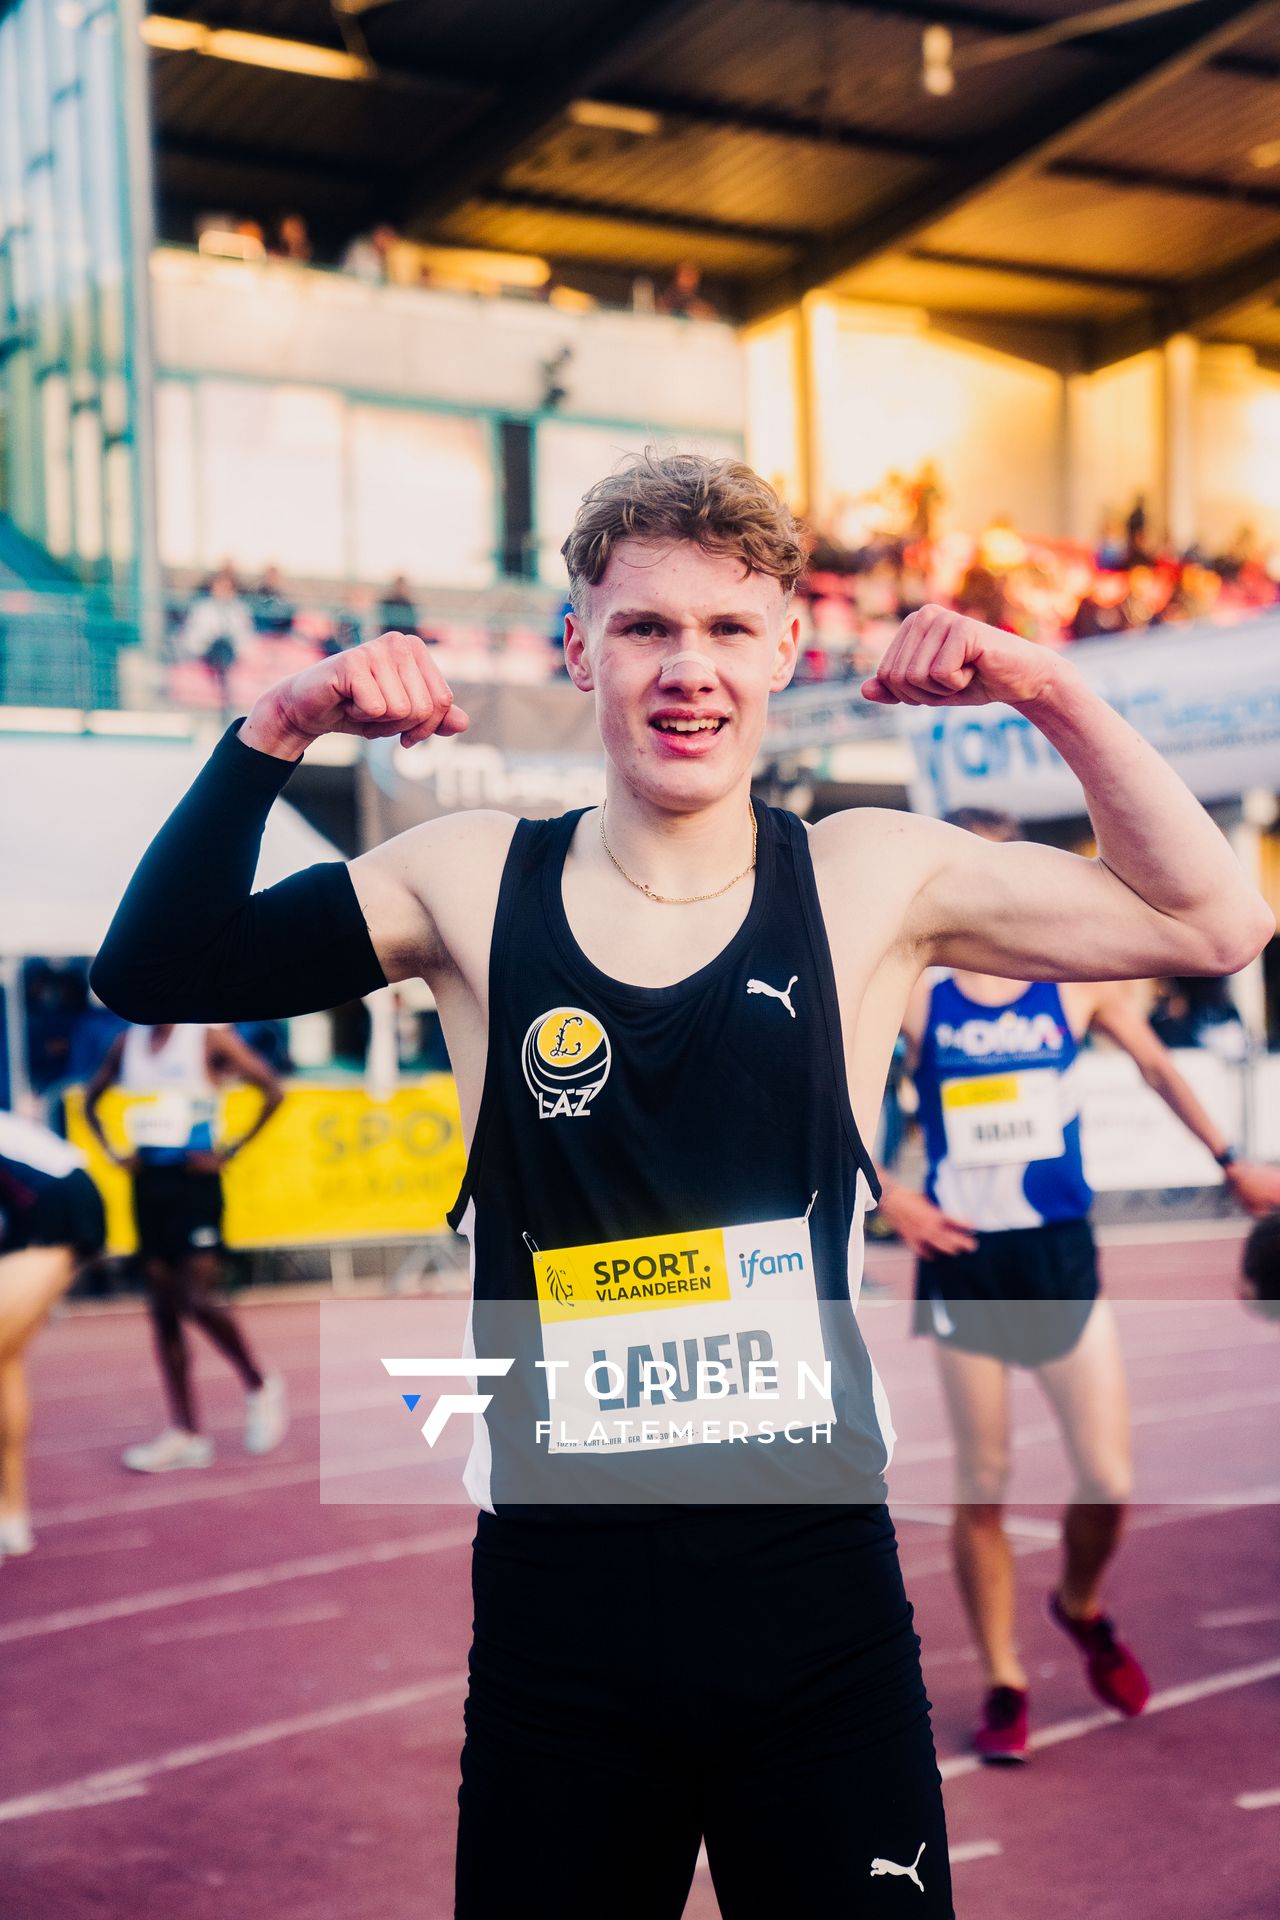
(480, 835)
(904, 845)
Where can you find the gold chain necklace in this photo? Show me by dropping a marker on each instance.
(686, 899)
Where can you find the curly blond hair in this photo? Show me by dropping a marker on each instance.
(723, 506)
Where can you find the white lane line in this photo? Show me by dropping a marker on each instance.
(1239, 1617)
(1185, 1696)
(130, 1782)
(244, 1623)
(181, 1489)
(1254, 1802)
(114, 1543)
(228, 1421)
(251, 1580)
(974, 1850)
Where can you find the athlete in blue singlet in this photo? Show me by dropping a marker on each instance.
(1007, 1275)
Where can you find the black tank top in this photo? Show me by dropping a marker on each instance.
(663, 1179)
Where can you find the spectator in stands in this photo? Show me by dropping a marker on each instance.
(293, 242)
(1199, 1013)
(1101, 609)
(1113, 546)
(396, 611)
(683, 295)
(369, 255)
(1137, 550)
(271, 607)
(926, 502)
(218, 627)
(981, 595)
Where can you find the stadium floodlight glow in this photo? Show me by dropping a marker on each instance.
(938, 75)
(610, 114)
(168, 35)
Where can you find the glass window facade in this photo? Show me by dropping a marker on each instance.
(325, 486)
(68, 414)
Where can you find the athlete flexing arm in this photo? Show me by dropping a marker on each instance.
(900, 893)
(1164, 882)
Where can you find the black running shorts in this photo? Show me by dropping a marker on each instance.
(66, 1213)
(177, 1212)
(1024, 1296)
(747, 1675)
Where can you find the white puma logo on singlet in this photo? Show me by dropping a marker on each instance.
(907, 1873)
(775, 993)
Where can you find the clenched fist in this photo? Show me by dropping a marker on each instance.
(939, 658)
(386, 686)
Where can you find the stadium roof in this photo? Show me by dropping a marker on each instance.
(1122, 182)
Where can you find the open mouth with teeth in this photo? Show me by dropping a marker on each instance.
(711, 724)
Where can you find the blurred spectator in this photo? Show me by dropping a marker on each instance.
(1137, 553)
(1114, 545)
(683, 295)
(369, 255)
(926, 502)
(396, 611)
(981, 596)
(218, 628)
(1199, 1013)
(1100, 610)
(222, 233)
(271, 607)
(293, 242)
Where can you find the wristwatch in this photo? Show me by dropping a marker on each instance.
(1227, 1158)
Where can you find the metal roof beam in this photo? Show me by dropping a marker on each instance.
(612, 211)
(1176, 44)
(597, 35)
(1001, 24)
(812, 128)
(1044, 270)
(1191, 308)
(1189, 186)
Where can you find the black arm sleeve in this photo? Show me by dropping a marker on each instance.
(190, 942)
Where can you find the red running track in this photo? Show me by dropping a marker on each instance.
(222, 1700)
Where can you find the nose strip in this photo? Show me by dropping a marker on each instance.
(700, 658)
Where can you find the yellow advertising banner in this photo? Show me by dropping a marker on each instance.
(332, 1165)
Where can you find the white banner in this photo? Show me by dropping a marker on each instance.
(1206, 697)
(1132, 1142)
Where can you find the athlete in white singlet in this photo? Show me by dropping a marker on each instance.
(175, 1074)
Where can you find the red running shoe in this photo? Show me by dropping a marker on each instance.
(1001, 1738)
(1114, 1674)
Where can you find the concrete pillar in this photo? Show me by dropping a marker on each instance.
(1081, 511)
(819, 387)
(1180, 361)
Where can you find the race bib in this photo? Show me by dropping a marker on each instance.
(682, 1339)
(166, 1119)
(1003, 1119)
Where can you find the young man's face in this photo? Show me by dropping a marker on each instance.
(682, 649)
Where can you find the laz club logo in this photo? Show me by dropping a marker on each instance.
(566, 1059)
